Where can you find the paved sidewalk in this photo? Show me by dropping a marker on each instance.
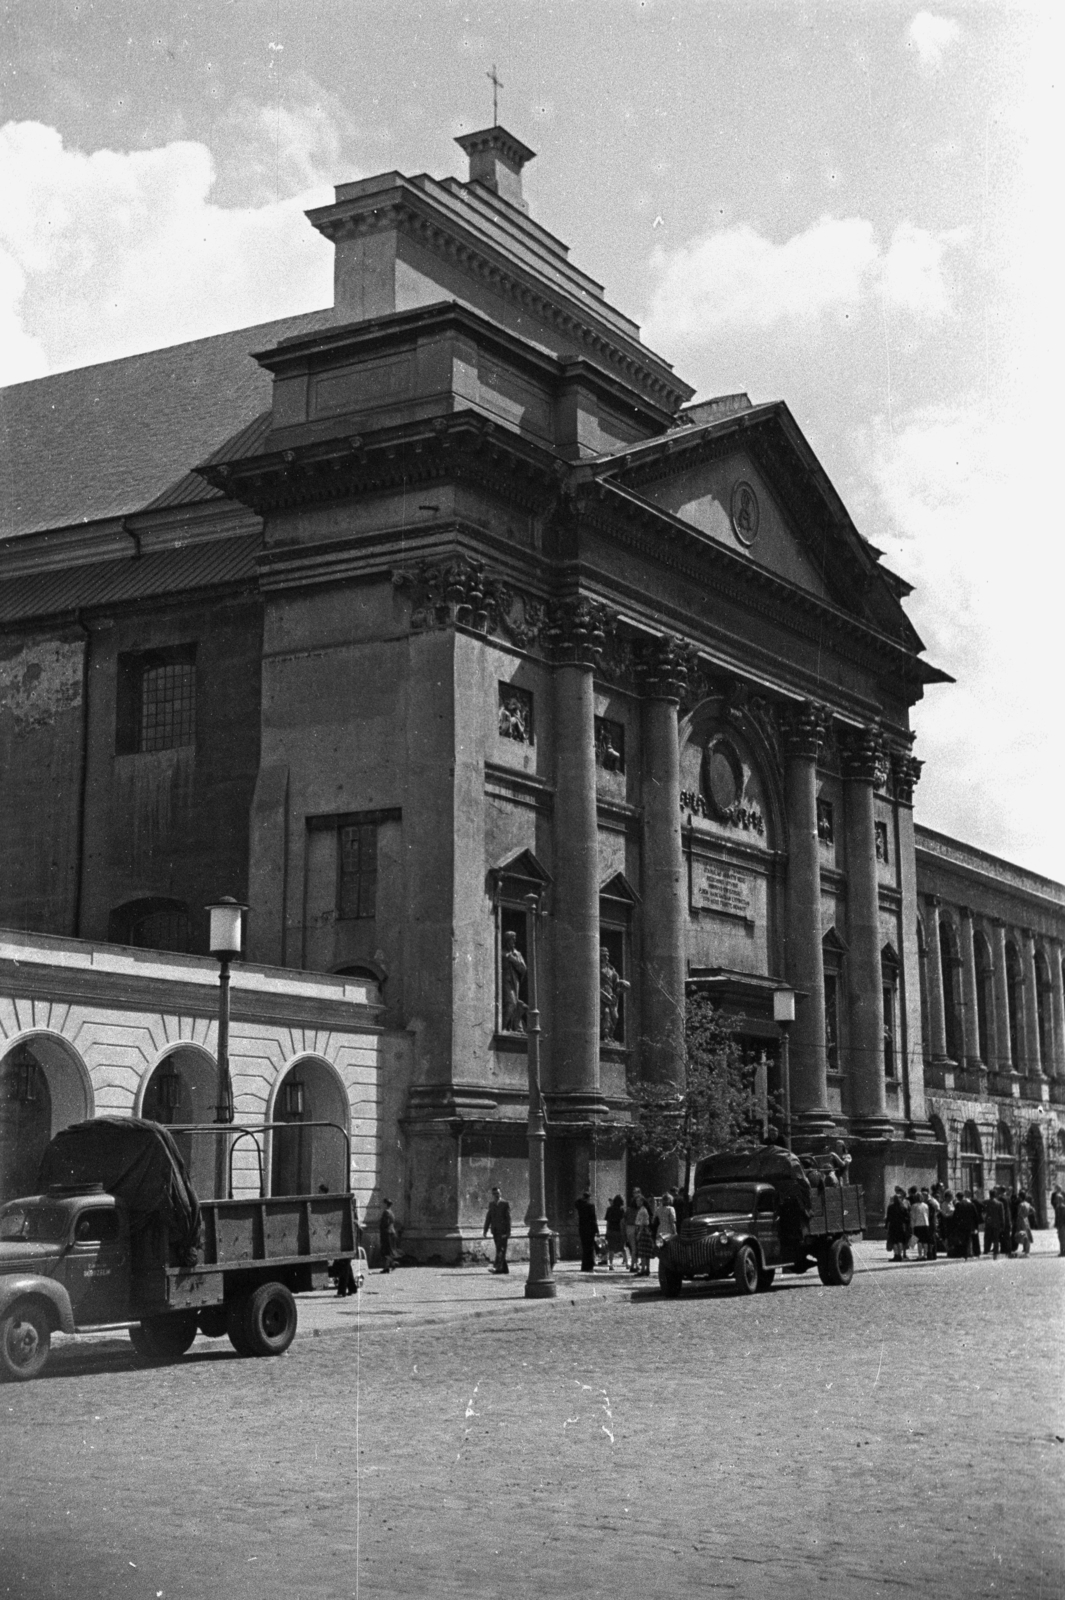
(427, 1295)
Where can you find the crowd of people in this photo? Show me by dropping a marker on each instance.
(930, 1220)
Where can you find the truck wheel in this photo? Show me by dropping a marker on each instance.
(835, 1265)
(270, 1320)
(669, 1281)
(25, 1340)
(236, 1316)
(214, 1322)
(765, 1279)
(163, 1338)
(746, 1271)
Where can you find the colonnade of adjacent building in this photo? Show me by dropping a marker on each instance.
(999, 1016)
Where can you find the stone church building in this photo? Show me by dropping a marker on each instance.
(442, 629)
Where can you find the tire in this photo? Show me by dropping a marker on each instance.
(236, 1314)
(669, 1281)
(214, 1322)
(746, 1270)
(164, 1338)
(25, 1340)
(835, 1264)
(270, 1320)
(765, 1279)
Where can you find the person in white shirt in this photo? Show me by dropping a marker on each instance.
(666, 1218)
(919, 1222)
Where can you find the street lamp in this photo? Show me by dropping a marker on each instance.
(540, 1284)
(784, 1016)
(225, 942)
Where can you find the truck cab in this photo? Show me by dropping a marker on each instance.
(79, 1242)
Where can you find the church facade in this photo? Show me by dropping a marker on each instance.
(442, 629)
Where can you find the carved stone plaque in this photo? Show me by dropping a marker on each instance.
(716, 887)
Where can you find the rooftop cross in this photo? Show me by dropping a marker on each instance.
(497, 84)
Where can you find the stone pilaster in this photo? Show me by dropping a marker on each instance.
(664, 912)
(861, 755)
(937, 1020)
(576, 639)
(1057, 1070)
(1000, 982)
(803, 727)
(970, 1022)
(905, 772)
(1032, 1064)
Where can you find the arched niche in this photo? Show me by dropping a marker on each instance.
(728, 776)
(940, 1134)
(971, 1159)
(44, 1087)
(183, 1087)
(302, 1159)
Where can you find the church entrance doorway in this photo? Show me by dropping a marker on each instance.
(306, 1159)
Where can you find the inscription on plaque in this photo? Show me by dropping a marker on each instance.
(719, 888)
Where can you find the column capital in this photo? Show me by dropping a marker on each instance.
(906, 771)
(862, 754)
(663, 667)
(803, 727)
(576, 630)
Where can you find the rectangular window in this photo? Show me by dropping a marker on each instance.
(156, 700)
(515, 714)
(357, 874)
(890, 1068)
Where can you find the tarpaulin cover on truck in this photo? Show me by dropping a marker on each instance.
(139, 1163)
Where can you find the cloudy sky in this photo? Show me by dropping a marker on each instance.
(853, 207)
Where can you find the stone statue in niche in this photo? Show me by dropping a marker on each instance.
(611, 987)
(881, 841)
(515, 715)
(513, 976)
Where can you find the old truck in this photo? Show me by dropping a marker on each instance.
(116, 1235)
(755, 1212)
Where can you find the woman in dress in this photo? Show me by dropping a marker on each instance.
(645, 1243)
(615, 1238)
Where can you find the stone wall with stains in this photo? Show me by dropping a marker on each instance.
(41, 738)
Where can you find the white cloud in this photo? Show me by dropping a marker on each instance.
(980, 542)
(107, 253)
(931, 37)
(735, 279)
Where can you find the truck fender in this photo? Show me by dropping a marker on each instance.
(18, 1285)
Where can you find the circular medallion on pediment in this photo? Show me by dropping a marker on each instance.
(723, 779)
(744, 513)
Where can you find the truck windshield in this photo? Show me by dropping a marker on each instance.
(34, 1224)
(721, 1200)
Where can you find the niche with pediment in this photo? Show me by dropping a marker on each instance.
(731, 824)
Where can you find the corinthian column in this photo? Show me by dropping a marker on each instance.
(861, 753)
(577, 638)
(1000, 979)
(664, 912)
(803, 728)
(937, 1017)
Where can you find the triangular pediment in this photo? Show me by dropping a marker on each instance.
(524, 867)
(619, 888)
(729, 499)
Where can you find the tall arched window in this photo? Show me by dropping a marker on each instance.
(154, 924)
(972, 1159)
(984, 998)
(922, 973)
(1015, 1002)
(1044, 1000)
(1005, 1165)
(951, 962)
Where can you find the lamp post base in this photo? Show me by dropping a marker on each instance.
(540, 1284)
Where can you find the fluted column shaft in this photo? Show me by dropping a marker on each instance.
(937, 1021)
(865, 992)
(664, 912)
(803, 954)
(1057, 1069)
(574, 1020)
(1000, 980)
(1032, 1065)
(970, 1022)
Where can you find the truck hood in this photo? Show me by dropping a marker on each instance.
(722, 1222)
(18, 1255)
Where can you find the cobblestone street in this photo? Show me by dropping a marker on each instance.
(441, 1436)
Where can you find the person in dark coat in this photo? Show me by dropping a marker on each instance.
(996, 1225)
(389, 1238)
(587, 1230)
(497, 1223)
(897, 1219)
(966, 1222)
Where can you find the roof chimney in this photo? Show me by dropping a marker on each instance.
(496, 160)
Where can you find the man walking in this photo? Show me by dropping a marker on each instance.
(587, 1230)
(497, 1223)
(995, 1225)
(1057, 1200)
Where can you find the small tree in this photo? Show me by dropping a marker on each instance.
(717, 1105)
